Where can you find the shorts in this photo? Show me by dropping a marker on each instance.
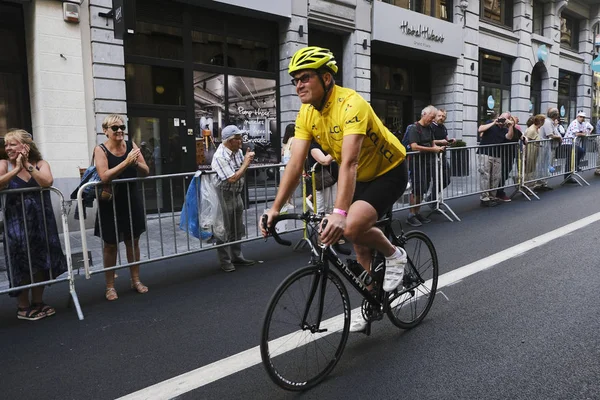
(382, 192)
(421, 173)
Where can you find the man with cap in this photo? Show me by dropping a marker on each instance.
(230, 165)
(578, 128)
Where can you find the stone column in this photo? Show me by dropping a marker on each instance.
(468, 70)
(56, 85)
(290, 41)
(108, 66)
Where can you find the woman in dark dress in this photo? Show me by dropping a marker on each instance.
(31, 236)
(119, 159)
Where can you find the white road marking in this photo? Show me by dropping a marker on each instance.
(238, 362)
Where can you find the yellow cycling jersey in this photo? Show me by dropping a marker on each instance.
(347, 113)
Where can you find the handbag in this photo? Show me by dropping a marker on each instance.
(323, 179)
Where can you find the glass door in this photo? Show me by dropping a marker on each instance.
(159, 135)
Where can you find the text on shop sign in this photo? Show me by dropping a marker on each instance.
(254, 113)
(421, 31)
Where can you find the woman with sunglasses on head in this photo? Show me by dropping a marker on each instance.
(117, 158)
(32, 248)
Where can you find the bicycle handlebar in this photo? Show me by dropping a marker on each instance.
(306, 217)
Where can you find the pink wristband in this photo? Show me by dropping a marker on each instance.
(340, 211)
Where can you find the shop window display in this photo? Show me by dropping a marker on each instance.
(154, 40)
(146, 84)
(209, 109)
(252, 107)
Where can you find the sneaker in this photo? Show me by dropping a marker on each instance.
(394, 271)
(487, 203)
(422, 219)
(243, 262)
(359, 324)
(228, 267)
(504, 198)
(412, 220)
(309, 205)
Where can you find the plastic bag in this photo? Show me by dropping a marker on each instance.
(211, 212)
(189, 214)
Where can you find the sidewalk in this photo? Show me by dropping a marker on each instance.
(162, 238)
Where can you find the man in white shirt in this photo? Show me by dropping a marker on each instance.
(578, 128)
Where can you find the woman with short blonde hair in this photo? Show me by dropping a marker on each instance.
(118, 158)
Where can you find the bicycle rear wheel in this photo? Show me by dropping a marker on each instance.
(296, 357)
(410, 303)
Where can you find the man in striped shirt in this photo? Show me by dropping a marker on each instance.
(230, 165)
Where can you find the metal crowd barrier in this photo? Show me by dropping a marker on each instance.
(29, 195)
(162, 198)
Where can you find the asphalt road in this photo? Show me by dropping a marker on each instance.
(524, 329)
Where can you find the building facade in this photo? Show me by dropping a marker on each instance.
(181, 70)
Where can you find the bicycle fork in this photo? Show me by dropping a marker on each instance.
(319, 282)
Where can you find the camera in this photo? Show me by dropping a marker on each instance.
(501, 120)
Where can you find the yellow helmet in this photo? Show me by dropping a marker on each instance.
(312, 57)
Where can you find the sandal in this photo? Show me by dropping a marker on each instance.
(111, 294)
(45, 308)
(139, 287)
(31, 313)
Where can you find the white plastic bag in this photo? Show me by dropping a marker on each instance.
(211, 214)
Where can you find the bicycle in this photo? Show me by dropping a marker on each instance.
(307, 321)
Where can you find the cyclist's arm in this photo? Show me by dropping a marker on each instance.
(293, 171)
(351, 146)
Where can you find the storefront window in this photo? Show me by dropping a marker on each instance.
(494, 85)
(538, 18)
(146, 84)
(498, 11)
(248, 54)
(536, 90)
(569, 33)
(208, 48)
(434, 8)
(252, 107)
(209, 104)
(154, 40)
(567, 95)
(394, 79)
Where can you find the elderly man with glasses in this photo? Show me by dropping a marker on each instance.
(230, 164)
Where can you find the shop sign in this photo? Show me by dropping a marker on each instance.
(597, 40)
(562, 111)
(490, 102)
(402, 27)
(421, 31)
(542, 53)
(596, 64)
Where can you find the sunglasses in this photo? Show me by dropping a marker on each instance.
(303, 78)
(117, 127)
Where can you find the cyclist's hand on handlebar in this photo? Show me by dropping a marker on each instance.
(270, 214)
(334, 229)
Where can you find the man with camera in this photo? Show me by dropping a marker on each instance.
(489, 157)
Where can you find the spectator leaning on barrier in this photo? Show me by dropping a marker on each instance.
(230, 164)
(489, 158)
(577, 129)
(533, 161)
(440, 136)
(31, 236)
(422, 164)
(117, 158)
(509, 154)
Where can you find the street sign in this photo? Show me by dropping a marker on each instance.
(542, 53)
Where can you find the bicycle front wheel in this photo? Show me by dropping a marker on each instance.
(410, 303)
(299, 354)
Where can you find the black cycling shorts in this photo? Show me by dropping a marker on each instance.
(382, 192)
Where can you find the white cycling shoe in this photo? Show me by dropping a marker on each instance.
(394, 271)
(359, 324)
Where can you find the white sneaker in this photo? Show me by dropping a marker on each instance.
(359, 324)
(394, 271)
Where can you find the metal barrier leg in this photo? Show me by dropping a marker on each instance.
(439, 188)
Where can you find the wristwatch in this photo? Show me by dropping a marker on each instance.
(30, 168)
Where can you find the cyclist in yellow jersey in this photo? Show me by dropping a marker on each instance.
(372, 171)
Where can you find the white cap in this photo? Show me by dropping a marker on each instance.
(230, 131)
(581, 114)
